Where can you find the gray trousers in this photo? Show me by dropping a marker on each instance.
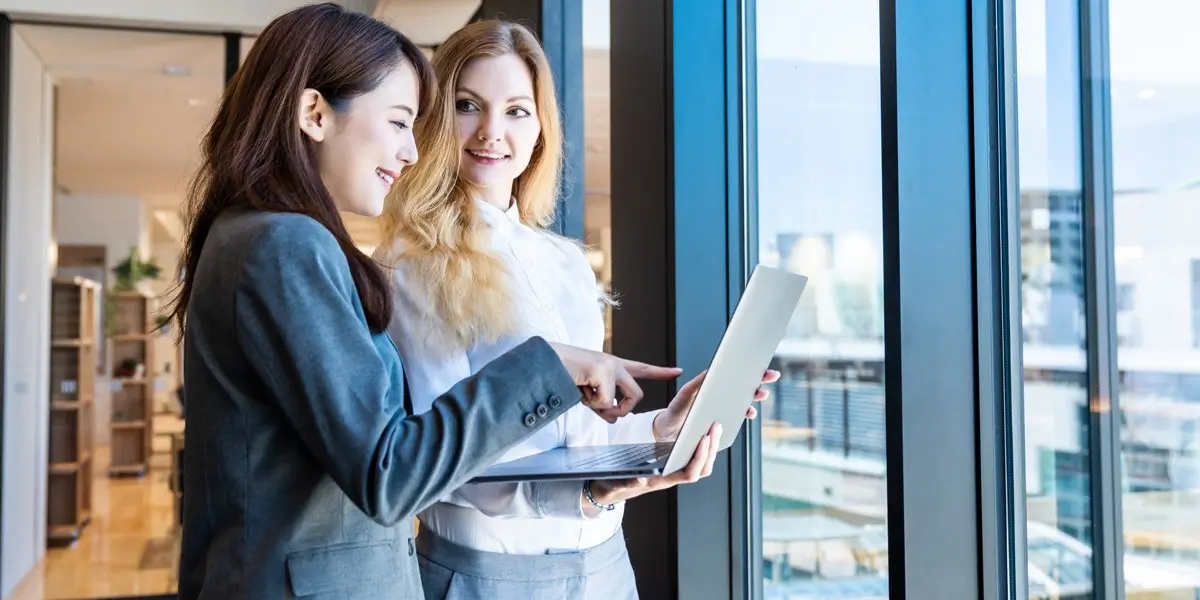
(452, 572)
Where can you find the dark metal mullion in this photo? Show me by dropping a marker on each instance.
(233, 55)
(893, 415)
(643, 254)
(930, 303)
(1002, 526)
(706, 140)
(745, 515)
(1099, 278)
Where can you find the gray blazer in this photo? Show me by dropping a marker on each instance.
(303, 470)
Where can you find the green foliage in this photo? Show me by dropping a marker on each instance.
(128, 273)
(133, 270)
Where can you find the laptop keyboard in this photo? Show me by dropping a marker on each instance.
(626, 456)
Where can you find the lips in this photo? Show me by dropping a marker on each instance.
(487, 157)
(388, 177)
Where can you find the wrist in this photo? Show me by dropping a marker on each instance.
(594, 499)
(659, 430)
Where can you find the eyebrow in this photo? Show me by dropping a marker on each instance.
(404, 107)
(513, 99)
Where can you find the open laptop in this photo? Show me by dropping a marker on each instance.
(745, 351)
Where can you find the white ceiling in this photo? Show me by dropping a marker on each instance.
(125, 125)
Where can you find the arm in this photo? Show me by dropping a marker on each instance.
(431, 371)
(300, 323)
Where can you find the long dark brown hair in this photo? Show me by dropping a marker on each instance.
(255, 154)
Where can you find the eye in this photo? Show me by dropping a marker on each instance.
(465, 106)
(401, 125)
(518, 111)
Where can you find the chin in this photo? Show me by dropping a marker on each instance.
(370, 209)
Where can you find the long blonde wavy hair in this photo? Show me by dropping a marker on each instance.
(431, 221)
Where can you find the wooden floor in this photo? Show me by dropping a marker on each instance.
(129, 548)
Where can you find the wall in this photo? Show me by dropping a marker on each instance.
(118, 223)
(27, 311)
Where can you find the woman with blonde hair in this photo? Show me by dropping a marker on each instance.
(476, 272)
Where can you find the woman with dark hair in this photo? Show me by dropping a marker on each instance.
(303, 467)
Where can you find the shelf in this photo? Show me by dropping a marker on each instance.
(71, 343)
(73, 331)
(132, 337)
(127, 470)
(66, 468)
(69, 405)
(132, 431)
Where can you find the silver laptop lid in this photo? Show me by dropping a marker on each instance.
(758, 325)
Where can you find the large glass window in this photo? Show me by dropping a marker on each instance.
(1056, 419)
(820, 213)
(1155, 87)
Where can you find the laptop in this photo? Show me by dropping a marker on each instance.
(754, 333)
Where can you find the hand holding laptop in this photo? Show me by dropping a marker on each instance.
(686, 445)
(668, 422)
(667, 425)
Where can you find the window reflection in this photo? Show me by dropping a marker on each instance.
(1155, 89)
(820, 214)
(1054, 332)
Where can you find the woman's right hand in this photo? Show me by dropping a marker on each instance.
(613, 491)
(600, 375)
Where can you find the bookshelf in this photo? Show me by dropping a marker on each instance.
(131, 421)
(72, 396)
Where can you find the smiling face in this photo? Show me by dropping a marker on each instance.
(362, 146)
(498, 124)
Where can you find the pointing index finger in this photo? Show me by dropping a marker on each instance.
(645, 371)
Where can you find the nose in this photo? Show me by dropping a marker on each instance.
(491, 129)
(407, 153)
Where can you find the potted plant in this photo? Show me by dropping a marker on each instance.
(127, 275)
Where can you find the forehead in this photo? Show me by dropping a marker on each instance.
(505, 75)
(399, 86)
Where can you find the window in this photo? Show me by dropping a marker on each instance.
(1055, 337)
(1155, 100)
(819, 212)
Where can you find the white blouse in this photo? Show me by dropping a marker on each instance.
(557, 299)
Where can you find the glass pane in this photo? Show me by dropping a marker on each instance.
(820, 213)
(597, 163)
(1156, 178)
(1056, 416)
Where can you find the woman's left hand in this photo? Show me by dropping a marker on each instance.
(668, 422)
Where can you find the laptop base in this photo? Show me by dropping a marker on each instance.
(580, 463)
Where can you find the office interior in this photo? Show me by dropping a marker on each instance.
(990, 388)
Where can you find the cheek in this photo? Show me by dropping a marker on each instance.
(467, 127)
(524, 137)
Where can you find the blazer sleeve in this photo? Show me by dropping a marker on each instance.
(430, 371)
(300, 322)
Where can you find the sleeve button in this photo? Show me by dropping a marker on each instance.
(530, 420)
(555, 402)
(543, 410)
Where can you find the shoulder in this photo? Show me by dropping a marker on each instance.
(574, 255)
(286, 246)
(297, 238)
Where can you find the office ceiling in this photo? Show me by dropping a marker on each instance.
(132, 106)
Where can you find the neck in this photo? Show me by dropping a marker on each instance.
(499, 195)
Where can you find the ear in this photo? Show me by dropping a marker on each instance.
(314, 114)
